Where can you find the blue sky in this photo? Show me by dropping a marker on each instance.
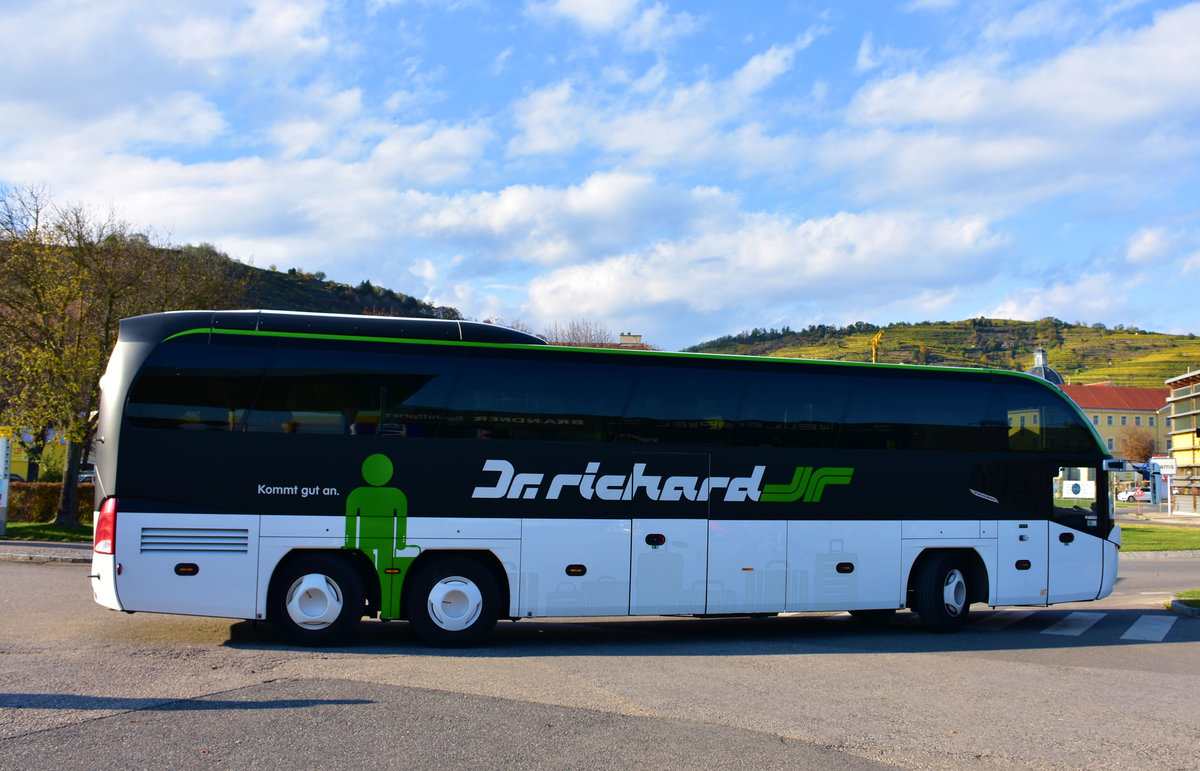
(682, 170)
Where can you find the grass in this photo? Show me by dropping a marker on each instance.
(1189, 597)
(1159, 538)
(46, 531)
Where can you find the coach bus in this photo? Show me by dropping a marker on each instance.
(313, 469)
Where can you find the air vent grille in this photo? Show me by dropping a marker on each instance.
(193, 539)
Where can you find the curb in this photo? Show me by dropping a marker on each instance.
(67, 552)
(7, 556)
(1185, 610)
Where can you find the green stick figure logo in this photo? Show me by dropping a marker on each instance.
(377, 523)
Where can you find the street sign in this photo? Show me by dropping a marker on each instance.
(1165, 466)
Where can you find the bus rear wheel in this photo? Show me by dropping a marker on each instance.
(452, 601)
(316, 599)
(942, 593)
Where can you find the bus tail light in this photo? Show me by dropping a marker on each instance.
(106, 527)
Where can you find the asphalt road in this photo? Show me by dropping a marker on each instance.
(1113, 684)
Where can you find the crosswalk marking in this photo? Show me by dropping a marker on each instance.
(1002, 618)
(1152, 628)
(1149, 627)
(1074, 624)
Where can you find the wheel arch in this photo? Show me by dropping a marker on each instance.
(977, 572)
(486, 557)
(353, 557)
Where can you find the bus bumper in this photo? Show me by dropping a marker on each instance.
(1112, 546)
(104, 580)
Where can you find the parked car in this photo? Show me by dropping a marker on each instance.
(1139, 494)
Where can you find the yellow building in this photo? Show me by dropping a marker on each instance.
(19, 461)
(1185, 444)
(1120, 410)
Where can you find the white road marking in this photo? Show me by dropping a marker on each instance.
(1150, 627)
(1075, 624)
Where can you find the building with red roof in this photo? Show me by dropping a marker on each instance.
(1113, 409)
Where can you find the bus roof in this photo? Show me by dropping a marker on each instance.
(157, 327)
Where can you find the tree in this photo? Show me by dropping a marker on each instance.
(67, 278)
(581, 332)
(516, 324)
(1135, 443)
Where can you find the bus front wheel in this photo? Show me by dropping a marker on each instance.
(452, 601)
(316, 599)
(942, 593)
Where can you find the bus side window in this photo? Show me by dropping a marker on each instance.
(1038, 422)
(414, 401)
(915, 413)
(190, 387)
(352, 393)
(683, 406)
(508, 398)
(782, 410)
(298, 402)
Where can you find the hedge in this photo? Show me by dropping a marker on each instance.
(38, 501)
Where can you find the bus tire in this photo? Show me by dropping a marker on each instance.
(942, 594)
(452, 601)
(316, 600)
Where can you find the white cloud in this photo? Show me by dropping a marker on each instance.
(321, 116)
(274, 30)
(1074, 297)
(706, 122)
(771, 260)
(428, 153)
(762, 69)
(38, 136)
(655, 29)
(1044, 18)
(552, 226)
(591, 15)
(1119, 110)
(870, 58)
(550, 121)
(1147, 246)
(500, 61)
(930, 5)
(866, 54)
(1146, 75)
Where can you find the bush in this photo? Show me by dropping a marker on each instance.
(38, 501)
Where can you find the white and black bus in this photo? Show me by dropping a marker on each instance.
(313, 469)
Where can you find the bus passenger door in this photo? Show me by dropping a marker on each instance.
(1075, 548)
(1076, 564)
(1022, 562)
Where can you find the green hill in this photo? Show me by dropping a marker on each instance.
(1081, 354)
(297, 290)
